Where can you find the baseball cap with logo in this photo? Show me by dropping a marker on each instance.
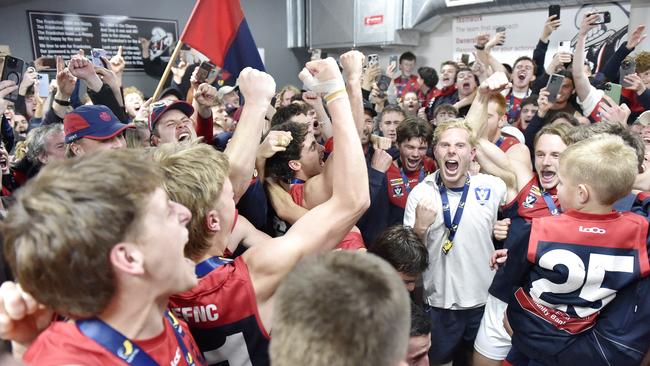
(160, 107)
(96, 122)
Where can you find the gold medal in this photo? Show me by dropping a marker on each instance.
(446, 247)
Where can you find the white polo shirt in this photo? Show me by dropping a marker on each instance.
(460, 279)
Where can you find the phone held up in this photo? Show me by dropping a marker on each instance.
(554, 10)
(12, 70)
(604, 17)
(553, 87)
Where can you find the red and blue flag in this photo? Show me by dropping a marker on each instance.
(218, 29)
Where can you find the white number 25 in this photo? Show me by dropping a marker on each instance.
(590, 279)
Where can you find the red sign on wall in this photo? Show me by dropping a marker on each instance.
(373, 20)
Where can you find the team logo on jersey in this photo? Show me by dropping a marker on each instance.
(396, 181)
(593, 230)
(530, 200)
(398, 191)
(535, 190)
(127, 352)
(482, 195)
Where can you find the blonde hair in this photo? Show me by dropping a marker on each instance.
(193, 175)
(65, 222)
(454, 123)
(605, 163)
(132, 89)
(363, 320)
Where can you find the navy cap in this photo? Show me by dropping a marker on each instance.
(96, 122)
(160, 107)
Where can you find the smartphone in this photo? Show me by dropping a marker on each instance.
(373, 59)
(204, 70)
(96, 55)
(604, 18)
(564, 46)
(43, 85)
(553, 86)
(554, 10)
(12, 70)
(627, 67)
(383, 83)
(500, 30)
(464, 58)
(393, 60)
(613, 91)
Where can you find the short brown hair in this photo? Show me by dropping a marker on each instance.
(193, 175)
(66, 220)
(312, 329)
(277, 166)
(558, 130)
(642, 60)
(414, 127)
(445, 107)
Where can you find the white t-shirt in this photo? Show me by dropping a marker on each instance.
(461, 278)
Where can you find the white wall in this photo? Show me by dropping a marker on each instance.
(640, 15)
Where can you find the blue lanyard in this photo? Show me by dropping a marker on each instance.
(446, 210)
(208, 265)
(127, 351)
(551, 205)
(297, 181)
(406, 180)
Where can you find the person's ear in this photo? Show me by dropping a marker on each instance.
(295, 165)
(212, 221)
(583, 193)
(127, 258)
(155, 140)
(43, 158)
(76, 149)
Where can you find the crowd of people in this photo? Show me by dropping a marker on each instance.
(459, 216)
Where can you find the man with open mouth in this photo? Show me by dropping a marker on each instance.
(530, 194)
(523, 74)
(453, 214)
(171, 121)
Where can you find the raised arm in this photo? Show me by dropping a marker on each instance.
(323, 227)
(352, 62)
(580, 79)
(318, 189)
(258, 88)
(477, 114)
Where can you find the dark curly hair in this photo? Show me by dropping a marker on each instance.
(277, 166)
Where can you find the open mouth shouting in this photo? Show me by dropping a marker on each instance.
(451, 167)
(547, 177)
(183, 134)
(412, 164)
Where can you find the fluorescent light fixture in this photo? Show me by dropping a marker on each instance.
(451, 3)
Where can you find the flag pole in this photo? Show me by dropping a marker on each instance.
(168, 69)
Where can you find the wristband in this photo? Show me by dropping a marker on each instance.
(480, 48)
(341, 93)
(325, 87)
(65, 103)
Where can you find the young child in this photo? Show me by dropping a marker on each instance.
(576, 262)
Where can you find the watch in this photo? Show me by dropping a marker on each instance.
(64, 103)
